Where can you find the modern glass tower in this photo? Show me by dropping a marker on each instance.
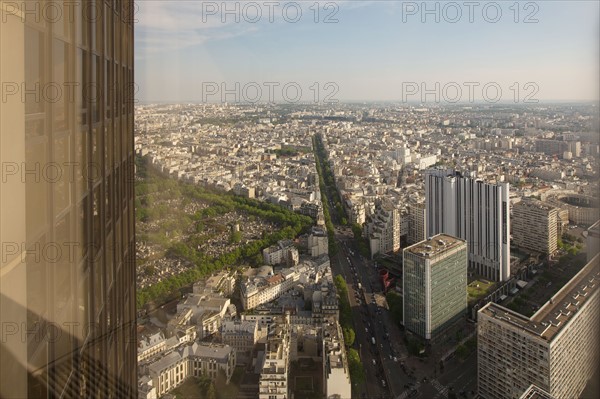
(67, 277)
(434, 278)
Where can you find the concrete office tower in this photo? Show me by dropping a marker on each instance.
(67, 286)
(535, 226)
(434, 281)
(474, 211)
(556, 349)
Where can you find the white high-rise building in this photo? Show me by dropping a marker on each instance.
(475, 211)
(556, 349)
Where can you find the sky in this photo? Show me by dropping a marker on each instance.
(445, 52)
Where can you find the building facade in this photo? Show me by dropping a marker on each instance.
(336, 374)
(68, 204)
(416, 222)
(195, 360)
(434, 280)
(273, 381)
(556, 349)
(474, 211)
(383, 229)
(535, 226)
(592, 242)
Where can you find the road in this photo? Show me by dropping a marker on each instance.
(390, 371)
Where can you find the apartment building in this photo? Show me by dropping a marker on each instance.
(336, 374)
(240, 334)
(262, 289)
(383, 229)
(67, 122)
(556, 349)
(434, 282)
(535, 226)
(151, 345)
(318, 243)
(416, 222)
(273, 381)
(283, 252)
(475, 211)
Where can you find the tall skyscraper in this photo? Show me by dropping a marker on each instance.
(556, 349)
(434, 279)
(67, 287)
(474, 211)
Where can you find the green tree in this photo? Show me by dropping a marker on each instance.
(349, 335)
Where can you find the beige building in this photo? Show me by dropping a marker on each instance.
(336, 374)
(273, 382)
(416, 222)
(556, 349)
(195, 360)
(241, 334)
(262, 289)
(535, 226)
(318, 243)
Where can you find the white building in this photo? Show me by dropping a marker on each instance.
(556, 349)
(383, 229)
(318, 242)
(336, 374)
(283, 252)
(273, 382)
(475, 211)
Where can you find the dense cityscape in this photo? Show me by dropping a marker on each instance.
(299, 200)
(341, 307)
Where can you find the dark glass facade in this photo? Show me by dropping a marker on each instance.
(66, 200)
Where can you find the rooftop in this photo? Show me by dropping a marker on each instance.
(435, 245)
(533, 392)
(550, 319)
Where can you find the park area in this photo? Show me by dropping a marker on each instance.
(477, 289)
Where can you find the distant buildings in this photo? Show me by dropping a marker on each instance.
(556, 349)
(535, 226)
(475, 211)
(383, 229)
(434, 284)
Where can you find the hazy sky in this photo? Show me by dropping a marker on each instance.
(377, 50)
